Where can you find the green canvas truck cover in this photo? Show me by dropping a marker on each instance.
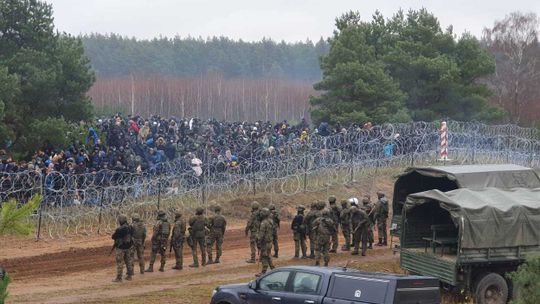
(482, 176)
(490, 217)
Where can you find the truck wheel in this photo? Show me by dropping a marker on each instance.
(491, 289)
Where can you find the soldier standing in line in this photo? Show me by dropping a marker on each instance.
(345, 221)
(334, 215)
(216, 225)
(160, 236)
(177, 240)
(324, 229)
(299, 232)
(139, 237)
(274, 215)
(359, 223)
(123, 244)
(381, 215)
(252, 228)
(265, 240)
(369, 209)
(197, 231)
(308, 221)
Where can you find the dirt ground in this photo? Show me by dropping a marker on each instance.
(80, 269)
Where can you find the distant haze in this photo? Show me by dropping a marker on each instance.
(289, 20)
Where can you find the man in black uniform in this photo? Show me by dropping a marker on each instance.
(299, 232)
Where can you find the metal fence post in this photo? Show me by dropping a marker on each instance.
(253, 171)
(100, 210)
(305, 172)
(159, 194)
(38, 236)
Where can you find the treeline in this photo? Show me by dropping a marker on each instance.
(114, 55)
(207, 96)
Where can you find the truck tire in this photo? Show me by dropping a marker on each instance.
(491, 289)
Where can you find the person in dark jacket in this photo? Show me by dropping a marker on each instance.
(123, 243)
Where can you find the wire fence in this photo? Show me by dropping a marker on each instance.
(87, 204)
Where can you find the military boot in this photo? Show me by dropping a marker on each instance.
(162, 268)
(142, 270)
(312, 254)
(276, 255)
(317, 263)
(370, 246)
(216, 261)
(118, 279)
(325, 264)
(251, 261)
(210, 261)
(176, 267)
(150, 268)
(129, 277)
(380, 243)
(194, 265)
(355, 252)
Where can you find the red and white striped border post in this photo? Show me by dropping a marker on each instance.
(444, 141)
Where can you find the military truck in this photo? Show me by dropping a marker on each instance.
(470, 239)
(447, 178)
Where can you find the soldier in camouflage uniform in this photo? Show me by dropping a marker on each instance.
(345, 221)
(197, 231)
(334, 215)
(308, 221)
(139, 237)
(360, 224)
(324, 229)
(216, 225)
(265, 240)
(299, 232)
(177, 240)
(274, 215)
(123, 244)
(369, 209)
(252, 228)
(381, 215)
(160, 236)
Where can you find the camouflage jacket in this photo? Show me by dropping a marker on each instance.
(179, 232)
(266, 232)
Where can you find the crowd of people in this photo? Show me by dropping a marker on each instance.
(206, 233)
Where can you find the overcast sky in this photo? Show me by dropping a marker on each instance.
(289, 20)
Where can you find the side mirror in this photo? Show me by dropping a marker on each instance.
(253, 284)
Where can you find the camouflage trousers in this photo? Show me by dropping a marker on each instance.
(160, 247)
(138, 250)
(381, 230)
(123, 256)
(321, 251)
(335, 242)
(201, 242)
(253, 245)
(214, 239)
(299, 243)
(266, 259)
(312, 241)
(179, 254)
(361, 235)
(347, 237)
(371, 236)
(275, 242)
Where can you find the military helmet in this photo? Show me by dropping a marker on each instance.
(272, 207)
(199, 210)
(313, 205)
(178, 214)
(161, 213)
(301, 208)
(265, 212)
(365, 201)
(122, 219)
(380, 194)
(344, 203)
(217, 208)
(326, 213)
(354, 209)
(135, 217)
(332, 199)
(321, 205)
(255, 205)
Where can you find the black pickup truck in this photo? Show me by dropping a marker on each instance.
(322, 285)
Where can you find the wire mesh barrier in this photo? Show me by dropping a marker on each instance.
(89, 203)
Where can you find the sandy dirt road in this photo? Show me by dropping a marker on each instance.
(84, 274)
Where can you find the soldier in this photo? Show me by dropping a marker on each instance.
(123, 244)
(381, 215)
(308, 221)
(265, 240)
(177, 240)
(160, 236)
(345, 221)
(369, 209)
(299, 232)
(334, 215)
(360, 224)
(252, 228)
(324, 229)
(216, 225)
(197, 233)
(139, 237)
(274, 215)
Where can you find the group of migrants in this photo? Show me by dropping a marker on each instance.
(203, 233)
(320, 226)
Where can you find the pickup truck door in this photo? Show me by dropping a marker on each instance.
(306, 289)
(270, 289)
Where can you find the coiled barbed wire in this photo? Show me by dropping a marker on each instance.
(85, 204)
